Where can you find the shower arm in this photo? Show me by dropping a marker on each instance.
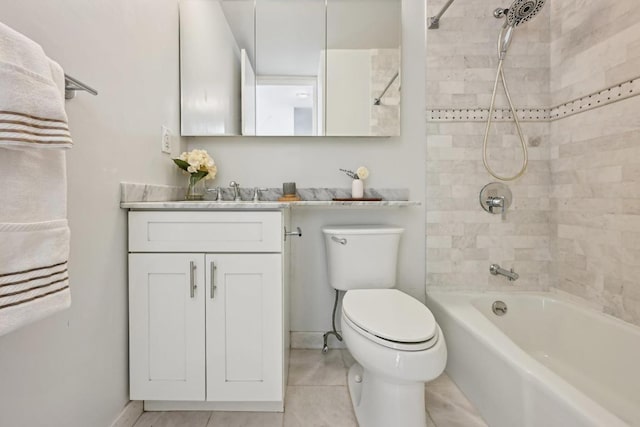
(376, 101)
(434, 21)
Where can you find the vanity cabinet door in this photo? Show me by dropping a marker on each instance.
(166, 326)
(244, 327)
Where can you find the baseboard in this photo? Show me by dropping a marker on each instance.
(129, 415)
(313, 340)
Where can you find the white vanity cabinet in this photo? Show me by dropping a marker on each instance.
(166, 327)
(244, 327)
(207, 321)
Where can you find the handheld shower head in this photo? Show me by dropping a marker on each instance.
(520, 11)
(504, 41)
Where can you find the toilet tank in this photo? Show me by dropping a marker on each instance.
(362, 256)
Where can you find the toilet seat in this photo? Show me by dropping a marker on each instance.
(391, 318)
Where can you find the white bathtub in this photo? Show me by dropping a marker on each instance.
(546, 363)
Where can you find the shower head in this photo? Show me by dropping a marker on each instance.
(519, 12)
(523, 11)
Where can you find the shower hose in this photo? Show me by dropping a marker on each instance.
(525, 157)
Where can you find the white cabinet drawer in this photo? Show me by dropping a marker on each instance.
(216, 231)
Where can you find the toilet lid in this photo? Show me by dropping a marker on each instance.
(390, 314)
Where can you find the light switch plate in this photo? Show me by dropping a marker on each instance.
(166, 140)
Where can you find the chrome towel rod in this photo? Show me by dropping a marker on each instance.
(434, 21)
(377, 100)
(71, 85)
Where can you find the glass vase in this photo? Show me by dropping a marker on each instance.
(195, 189)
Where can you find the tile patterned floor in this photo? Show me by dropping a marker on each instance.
(317, 396)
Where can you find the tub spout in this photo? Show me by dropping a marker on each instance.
(495, 269)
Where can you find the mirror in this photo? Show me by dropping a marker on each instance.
(290, 67)
(363, 67)
(215, 38)
(290, 42)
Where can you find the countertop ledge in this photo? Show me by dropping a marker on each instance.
(266, 205)
(162, 197)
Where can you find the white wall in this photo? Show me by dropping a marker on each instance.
(71, 369)
(314, 162)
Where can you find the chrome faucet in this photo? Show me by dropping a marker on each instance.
(495, 269)
(256, 194)
(218, 192)
(236, 191)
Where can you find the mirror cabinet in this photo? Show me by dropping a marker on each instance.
(290, 67)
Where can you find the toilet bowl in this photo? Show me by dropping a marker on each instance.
(396, 342)
(395, 357)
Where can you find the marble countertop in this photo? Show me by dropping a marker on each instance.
(162, 197)
(267, 205)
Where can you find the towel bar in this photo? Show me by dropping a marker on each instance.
(71, 85)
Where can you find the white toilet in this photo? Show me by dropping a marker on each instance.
(393, 337)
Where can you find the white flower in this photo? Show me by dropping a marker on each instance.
(213, 170)
(198, 161)
(362, 172)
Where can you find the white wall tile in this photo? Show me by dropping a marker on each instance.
(575, 219)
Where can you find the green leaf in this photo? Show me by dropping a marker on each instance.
(197, 176)
(181, 164)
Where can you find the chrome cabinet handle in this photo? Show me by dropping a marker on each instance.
(213, 281)
(342, 241)
(192, 279)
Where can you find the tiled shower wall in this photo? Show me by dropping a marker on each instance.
(575, 224)
(462, 239)
(595, 156)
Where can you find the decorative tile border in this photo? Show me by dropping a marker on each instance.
(481, 115)
(625, 90)
(615, 93)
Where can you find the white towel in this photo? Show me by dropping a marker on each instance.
(34, 281)
(34, 236)
(31, 105)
